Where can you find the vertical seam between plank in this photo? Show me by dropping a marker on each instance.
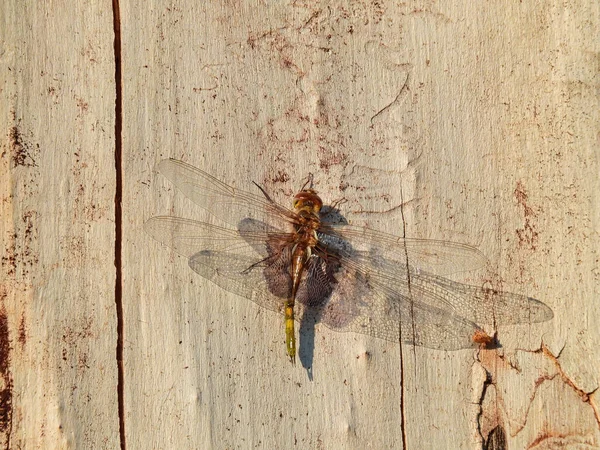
(119, 219)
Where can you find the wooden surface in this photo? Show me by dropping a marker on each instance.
(472, 122)
(59, 374)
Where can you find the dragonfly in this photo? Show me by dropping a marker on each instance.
(301, 263)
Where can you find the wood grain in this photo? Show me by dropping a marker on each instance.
(57, 317)
(471, 122)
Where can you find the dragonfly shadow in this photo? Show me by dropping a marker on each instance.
(307, 342)
(331, 215)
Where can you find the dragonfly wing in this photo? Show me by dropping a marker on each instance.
(474, 303)
(453, 308)
(232, 205)
(264, 238)
(188, 237)
(482, 305)
(342, 299)
(229, 204)
(433, 256)
(362, 304)
(265, 282)
(240, 275)
(345, 299)
(252, 262)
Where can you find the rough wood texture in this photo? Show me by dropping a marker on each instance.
(57, 316)
(465, 121)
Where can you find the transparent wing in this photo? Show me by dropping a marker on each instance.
(235, 260)
(479, 304)
(229, 204)
(473, 303)
(188, 237)
(239, 275)
(232, 205)
(433, 256)
(360, 303)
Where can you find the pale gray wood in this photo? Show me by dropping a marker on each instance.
(59, 372)
(476, 122)
(462, 121)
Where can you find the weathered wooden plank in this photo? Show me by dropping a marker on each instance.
(57, 312)
(456, 121)
(459, 121)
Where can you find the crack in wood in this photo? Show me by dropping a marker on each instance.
(393, 102)
(119, 220)
(586, 397)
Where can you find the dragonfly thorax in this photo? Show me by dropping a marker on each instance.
(307, 205)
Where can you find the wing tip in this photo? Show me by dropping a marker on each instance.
(165, 166)
(540, 312)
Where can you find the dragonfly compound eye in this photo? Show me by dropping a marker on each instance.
(308, 200)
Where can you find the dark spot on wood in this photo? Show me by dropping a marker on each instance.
(9, 259)
(20, 149)
(82, 105)
(281, 177)
(19, 257)
(4, 343)
(22, 331)
(527, 235)
(5, 375)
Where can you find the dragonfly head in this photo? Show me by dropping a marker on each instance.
(308, 200)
